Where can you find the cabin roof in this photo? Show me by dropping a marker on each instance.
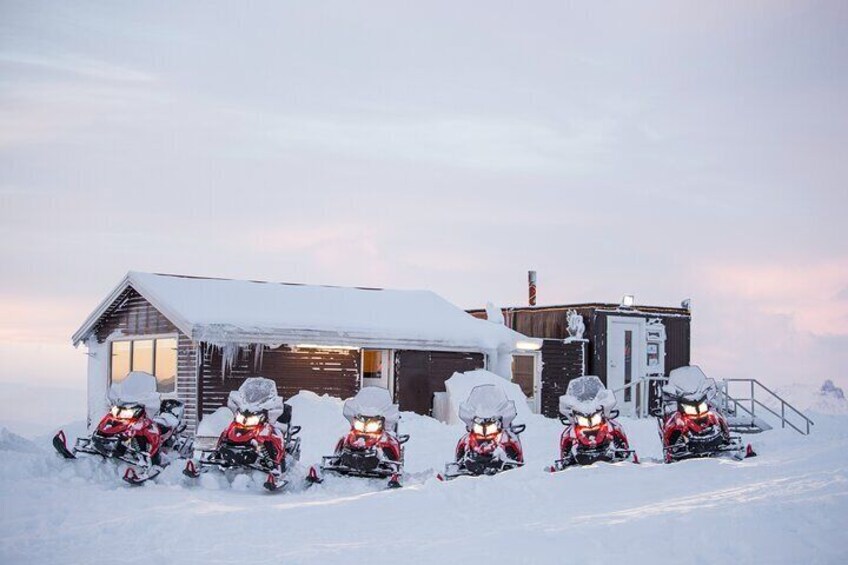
(602, 306)
(241, 311)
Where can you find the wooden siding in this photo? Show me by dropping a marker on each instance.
(421, 374)
(133, 316)
(562, 362)
(187, 379)
(324, 372)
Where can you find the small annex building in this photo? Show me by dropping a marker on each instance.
(201, 337)
(622, 345)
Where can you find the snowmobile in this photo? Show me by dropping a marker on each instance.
(372, 448)
(260, 437)
(592, 433)
(141, 429)
(492, 443)
(689, 424)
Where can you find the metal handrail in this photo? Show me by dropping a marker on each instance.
(783, 405)
(642, 409)
(643, 393)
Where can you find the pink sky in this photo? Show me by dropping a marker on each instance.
(690, 150)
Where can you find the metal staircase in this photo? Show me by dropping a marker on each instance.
(746, 403)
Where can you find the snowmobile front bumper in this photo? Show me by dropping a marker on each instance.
(245, 457)
(479, 466)
(366, 464)
(698, 447)
(590, 456)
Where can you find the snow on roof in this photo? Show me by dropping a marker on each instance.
(236, 311)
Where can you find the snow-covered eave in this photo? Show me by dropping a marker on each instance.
(222, 334)
(127, 282)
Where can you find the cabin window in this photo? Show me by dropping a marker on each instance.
(372, 364)
(155, 356)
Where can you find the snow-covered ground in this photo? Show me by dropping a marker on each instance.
(788, 505)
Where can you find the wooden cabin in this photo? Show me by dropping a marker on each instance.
(619, 344)
(201, 337)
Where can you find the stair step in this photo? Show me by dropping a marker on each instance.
(747, 424)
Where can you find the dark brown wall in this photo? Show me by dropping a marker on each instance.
(324, 372)
(133, 315)
(562, 362)
(421, 374)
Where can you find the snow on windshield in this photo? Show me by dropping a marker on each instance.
(585, 388)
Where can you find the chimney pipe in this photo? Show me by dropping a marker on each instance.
(531, 280)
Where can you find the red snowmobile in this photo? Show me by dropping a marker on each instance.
(492, 443)
(140, 429)
(372, 448)
(690, 426)
(260, 437)
(592, 433)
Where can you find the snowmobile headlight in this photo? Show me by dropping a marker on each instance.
(690, 409)
(583, 421)
(596, 419)
(486, 429)
(703, 408)
(247, 419)
(359, 425)
(373, 426)
(115, 411)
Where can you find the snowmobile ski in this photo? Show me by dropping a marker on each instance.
(60, 443)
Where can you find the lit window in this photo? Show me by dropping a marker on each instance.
(372, 364)
(142, 356)
(157, 357)
(120, 360)
(166, 364)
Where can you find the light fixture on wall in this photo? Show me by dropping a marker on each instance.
(327, 347)
(534, 345)
(628, 300)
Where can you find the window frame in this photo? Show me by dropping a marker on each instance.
(142, 337)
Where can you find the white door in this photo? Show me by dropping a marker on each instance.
(625, 358)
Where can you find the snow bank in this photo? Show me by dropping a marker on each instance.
(10, 441)
(460, 385)
(212, 425)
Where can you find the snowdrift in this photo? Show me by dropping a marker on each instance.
(460, 385)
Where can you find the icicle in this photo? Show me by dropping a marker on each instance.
(258, 352)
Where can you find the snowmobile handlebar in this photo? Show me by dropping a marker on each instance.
(518, 429)
(402, 439)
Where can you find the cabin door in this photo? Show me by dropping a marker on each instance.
(377, 368)
(625, 358)
(527, 374)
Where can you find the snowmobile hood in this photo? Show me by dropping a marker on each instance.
(586, 395)
(136, 388)
(255, 395)
(486, 402)
(372, 401)
(690, 383)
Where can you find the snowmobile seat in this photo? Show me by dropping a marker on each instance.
(286, 416)
(170, 414)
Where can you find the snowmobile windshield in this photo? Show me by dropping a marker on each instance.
(372, 402)
(487, 402)
(368, 424)
(258, 390)
(586, 395)
(689, 383)
(257, 394)
(486, 427)
(249, 419)
(127, 411)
